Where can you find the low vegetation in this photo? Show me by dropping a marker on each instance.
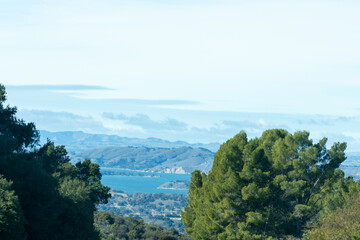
(114, 227)
(343, 223)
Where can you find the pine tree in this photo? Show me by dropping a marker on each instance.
(264, 187)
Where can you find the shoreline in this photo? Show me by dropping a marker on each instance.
(142, 171)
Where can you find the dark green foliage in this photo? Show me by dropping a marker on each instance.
(114, 227)
(15, 134)
(90, 173)
(11, 217)
(266, 187)
(49, 198)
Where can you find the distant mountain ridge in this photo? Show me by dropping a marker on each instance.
(151, 154)
(80, 141)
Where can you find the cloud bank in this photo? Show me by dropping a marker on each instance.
(147, 124)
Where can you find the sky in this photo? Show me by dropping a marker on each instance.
(198, 71)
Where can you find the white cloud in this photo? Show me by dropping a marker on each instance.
(143, 121)
(62, 121)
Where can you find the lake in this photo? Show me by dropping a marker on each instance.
(142, 184)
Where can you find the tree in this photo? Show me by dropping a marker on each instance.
(15, 134)
(90, 173)
(11, 217)
(262, 188)
(42, 195)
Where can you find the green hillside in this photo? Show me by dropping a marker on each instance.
(172, 160)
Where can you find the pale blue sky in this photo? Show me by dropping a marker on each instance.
(197, 65)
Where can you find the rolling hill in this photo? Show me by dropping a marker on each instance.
(169, 160)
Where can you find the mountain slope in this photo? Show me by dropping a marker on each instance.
(171, 160)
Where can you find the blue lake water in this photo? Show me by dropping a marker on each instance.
(142, 184)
